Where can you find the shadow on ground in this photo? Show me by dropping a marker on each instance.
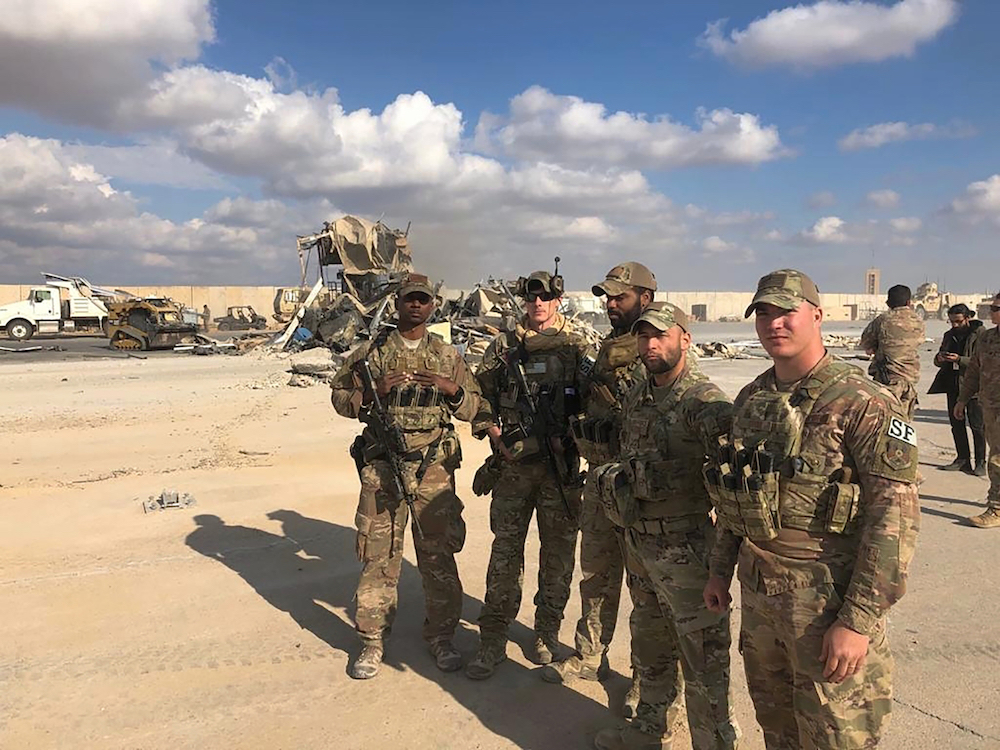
(515, 703)
(932, 416)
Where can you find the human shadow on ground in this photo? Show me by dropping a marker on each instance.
(932, 416)
(958, 519)
(515, 703)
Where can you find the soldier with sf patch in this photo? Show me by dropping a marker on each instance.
(816, 498)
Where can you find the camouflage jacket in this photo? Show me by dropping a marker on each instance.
(551, 360)
(982, 377)
(666, 434)
(853, 432)
(895, 338)
(423, 413)
(615, 370)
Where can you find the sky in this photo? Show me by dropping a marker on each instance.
(190, 141)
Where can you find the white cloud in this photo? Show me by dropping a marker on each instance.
(882, 198)
(77, 60)
(981, 201)
(153, 163)
(823, 199)
(567, 130)
(828, 230)
(906, 224)
(875, 136)
(716, 248)
(832, 32)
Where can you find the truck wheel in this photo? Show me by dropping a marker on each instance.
(20, 330)
(921, 312)
(106, 328)
(224, 326)
(943, 313)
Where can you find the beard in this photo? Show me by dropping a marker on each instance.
(663, 363)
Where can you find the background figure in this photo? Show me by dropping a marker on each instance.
(957, 347)
(893, 339)
(982, 379)
(206, 315)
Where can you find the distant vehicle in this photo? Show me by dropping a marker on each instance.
(241, 318)
(928, 302)
(151, 323)
(63, 304)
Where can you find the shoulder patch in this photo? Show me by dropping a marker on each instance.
(902, 431)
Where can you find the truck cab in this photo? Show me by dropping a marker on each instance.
(62, 305)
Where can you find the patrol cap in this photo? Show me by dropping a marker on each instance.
(623, 277)
(416, 282)
(662, 316)
(539, 281)
(786, 289)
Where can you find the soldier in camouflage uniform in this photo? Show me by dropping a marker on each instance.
(815, 494)
(656, 493)
(537, 469)
(423, 383)
(982, 379)
(629, 289)
(894, 339)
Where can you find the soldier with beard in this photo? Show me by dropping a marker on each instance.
(628, 289)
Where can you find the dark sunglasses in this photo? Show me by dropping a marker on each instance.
(994, 308)
(543, 296)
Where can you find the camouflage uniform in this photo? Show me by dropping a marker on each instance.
(982, 380)
(827, 513)
(424, 414)
(657, 492)
(551, 360)
(895, 337)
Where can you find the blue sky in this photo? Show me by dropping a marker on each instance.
(214, 132)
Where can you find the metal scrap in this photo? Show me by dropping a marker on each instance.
(167, 499)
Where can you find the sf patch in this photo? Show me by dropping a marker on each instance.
(902, 431)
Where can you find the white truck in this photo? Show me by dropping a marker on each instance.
(63, 304)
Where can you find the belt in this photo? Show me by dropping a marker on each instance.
(668, 525)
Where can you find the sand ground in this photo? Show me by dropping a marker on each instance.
(122, 629)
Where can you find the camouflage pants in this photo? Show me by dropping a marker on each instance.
(781, 640)
(523, 489)
(906, 392)
(381, 521)
(991, 423)
(602, 564)
(671, 627)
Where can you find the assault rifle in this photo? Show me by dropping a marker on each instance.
(391, 437)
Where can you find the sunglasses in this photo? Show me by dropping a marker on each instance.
(994, 308)
(543, 296)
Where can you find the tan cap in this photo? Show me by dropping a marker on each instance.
(542, 280)
(416, 282)
(786, 288)
(662, 316)
(623, 277)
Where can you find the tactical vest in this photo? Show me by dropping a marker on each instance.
(415, 408)
(764, 480)
(616, 369)
(659, 475)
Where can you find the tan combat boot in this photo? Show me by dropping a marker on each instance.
(366, 665)
(631, 703)
(577, 666)
(492, 652)
(986, 520)
(445, 655)
(630, 738)
(544, 649)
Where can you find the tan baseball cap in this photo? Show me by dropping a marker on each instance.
(416, 282)
(623, 277)
(662, 316)
(786, 288)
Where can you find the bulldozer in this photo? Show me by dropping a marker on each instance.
(151, 323)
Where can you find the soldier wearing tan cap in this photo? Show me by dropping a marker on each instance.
(628, 289)
(816, 497)
(656, 494)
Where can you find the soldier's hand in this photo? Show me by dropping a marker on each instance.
(447, 386)
(844, 652)
(498, 446)
(949, 357)
(390, 380)
(716, 594)
(959, 411)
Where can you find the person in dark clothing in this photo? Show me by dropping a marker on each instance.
(956, 349)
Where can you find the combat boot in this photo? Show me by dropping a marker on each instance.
(630, 738)
(631, 703)
(980, 469)
(492, 652)
(366, 665)
(445, 655)
(987, 520)
(577, 666)
(544, 649)
(959, 464)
